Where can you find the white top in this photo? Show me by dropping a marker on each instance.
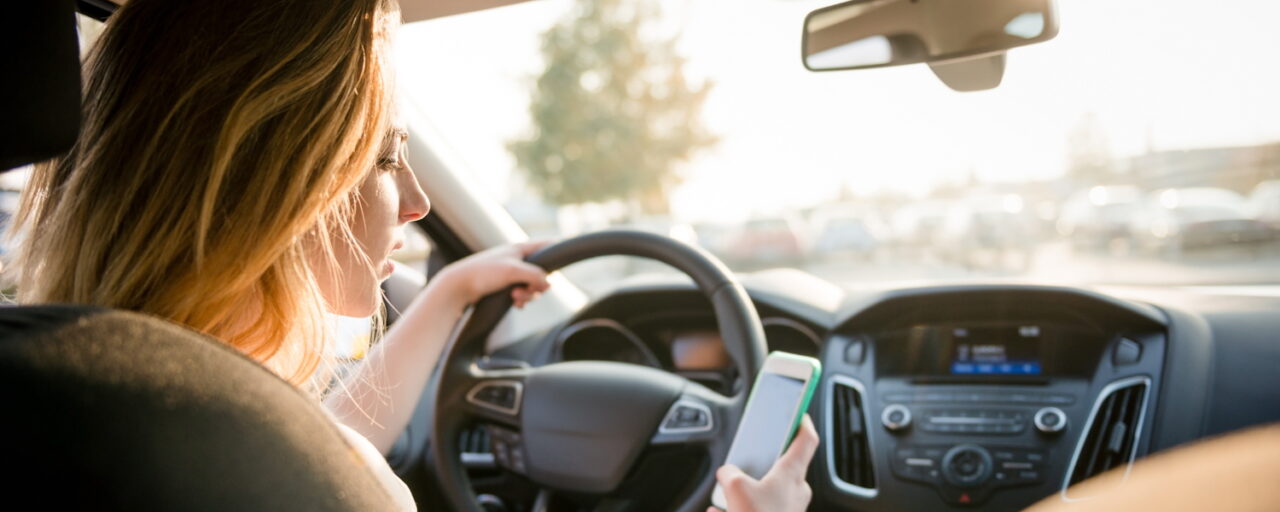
(378, 465)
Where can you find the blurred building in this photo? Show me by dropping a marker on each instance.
(1232, 168)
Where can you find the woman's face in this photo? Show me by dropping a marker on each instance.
(388, 198)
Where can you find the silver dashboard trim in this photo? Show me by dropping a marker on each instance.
(513, 384)
(1038, 420)
(1107, 391)
(671, 412)
(827, 411)
(794, 325)
(606, 323)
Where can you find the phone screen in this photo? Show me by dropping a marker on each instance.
(766, 425)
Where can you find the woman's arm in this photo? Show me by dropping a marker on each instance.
(379, 396)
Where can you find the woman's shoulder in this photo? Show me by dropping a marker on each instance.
(378, 465)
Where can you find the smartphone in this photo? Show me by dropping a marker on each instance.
(777, 404)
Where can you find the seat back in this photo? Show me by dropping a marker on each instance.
(120, 411)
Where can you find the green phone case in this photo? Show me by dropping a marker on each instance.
(814, 376)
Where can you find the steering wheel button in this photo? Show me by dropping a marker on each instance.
(686, 416)
(517, 461)
(498, 395)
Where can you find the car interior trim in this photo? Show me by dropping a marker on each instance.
(605, 323)
(671, 413)
(827, 414)
(472, 396)
(782, 321)
(1107, 391)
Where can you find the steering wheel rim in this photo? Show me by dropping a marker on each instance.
(460, 373)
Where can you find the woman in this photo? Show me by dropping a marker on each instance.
(239, 172)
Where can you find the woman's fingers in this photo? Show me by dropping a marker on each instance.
(532, 246)
(532, 276)
(732, 479)
(522, 296)
(797, 457)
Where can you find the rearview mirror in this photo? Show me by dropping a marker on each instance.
(862, 34)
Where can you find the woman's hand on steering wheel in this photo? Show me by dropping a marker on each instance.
(485, 272)
(783, 489)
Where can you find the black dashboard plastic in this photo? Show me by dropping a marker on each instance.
(961, 422)
(1208, 357)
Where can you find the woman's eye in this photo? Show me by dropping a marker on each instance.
(388, 163)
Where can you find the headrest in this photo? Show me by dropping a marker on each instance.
(40, 66)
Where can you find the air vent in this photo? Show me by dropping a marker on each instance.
(849, 452)
(1111, 437)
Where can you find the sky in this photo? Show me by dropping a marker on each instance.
(1158, 74)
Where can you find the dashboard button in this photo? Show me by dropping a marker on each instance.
(1058, 399)
(686, 417)
(963, 497)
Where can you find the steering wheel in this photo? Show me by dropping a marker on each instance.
(580, 426)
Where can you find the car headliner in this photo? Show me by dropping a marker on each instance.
(418, 10)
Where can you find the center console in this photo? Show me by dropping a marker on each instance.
(988, 403)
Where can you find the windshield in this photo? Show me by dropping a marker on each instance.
(696, 119)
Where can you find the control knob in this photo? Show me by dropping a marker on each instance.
(896, 417)
(1050, 420)
(967, 465)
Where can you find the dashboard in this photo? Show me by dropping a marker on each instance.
(682, 342)
(986, 397)
(982, 396)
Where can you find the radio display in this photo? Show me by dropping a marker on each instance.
(988, 350)
(995, 351)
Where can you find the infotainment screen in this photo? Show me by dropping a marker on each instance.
(983, 350)
(1004, 350)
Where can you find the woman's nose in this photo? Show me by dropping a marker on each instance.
(414, 204)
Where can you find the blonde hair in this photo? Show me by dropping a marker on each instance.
(219, 141)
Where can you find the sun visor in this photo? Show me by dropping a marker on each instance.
(40, 95)
(418, 10)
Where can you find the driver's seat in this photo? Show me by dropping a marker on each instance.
(110, 410)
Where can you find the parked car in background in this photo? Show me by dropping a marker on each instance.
(767, 241)
(914, 226)
(988, 232)
(1180, 219)
(1099, 217)
(1264, 203)
(846, 234)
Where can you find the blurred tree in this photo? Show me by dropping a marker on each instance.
(612, 113)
